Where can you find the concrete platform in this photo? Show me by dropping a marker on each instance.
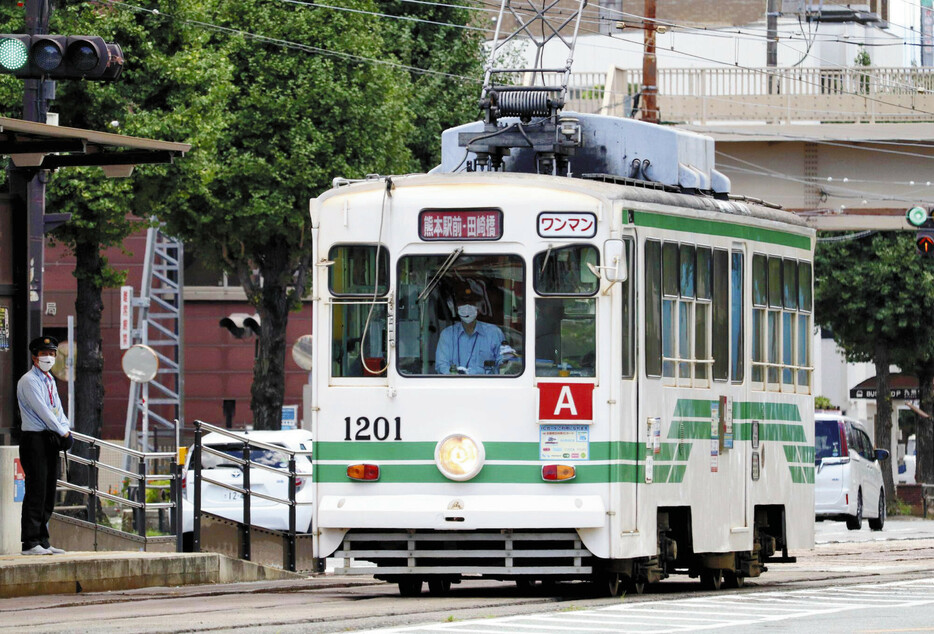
(103, 571)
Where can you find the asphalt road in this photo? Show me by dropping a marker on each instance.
(853, 581)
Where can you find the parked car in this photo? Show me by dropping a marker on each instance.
(906, 467)
(229, 504)
(848, 481)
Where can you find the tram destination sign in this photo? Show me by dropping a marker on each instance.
(460, 224)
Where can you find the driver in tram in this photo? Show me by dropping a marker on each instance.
(471, 346)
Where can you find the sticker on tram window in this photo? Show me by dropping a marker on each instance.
(460, 224)
(567, 224)
(564, 442)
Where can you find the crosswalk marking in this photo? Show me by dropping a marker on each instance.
(701, 613)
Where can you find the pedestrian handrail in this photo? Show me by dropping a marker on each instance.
(141, 479)
(245, 463)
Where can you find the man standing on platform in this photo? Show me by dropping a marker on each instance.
(46, 432)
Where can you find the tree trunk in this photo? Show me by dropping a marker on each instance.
(883, 426)
(924, 432)
(269, 368)
(89, 360)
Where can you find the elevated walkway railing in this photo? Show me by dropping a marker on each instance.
(141, 479)
(245, 464)
(703, 95)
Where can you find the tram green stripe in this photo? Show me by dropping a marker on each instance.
(770, 431)
(766, 411)
(799, 453)
(716, 228)
(490, 474)
(518, 451)
(751, 410)
(693, 430)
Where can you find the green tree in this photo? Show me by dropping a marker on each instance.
(442, 37)
(303, 107)
(876, 295)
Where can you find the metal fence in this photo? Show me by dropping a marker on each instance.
(140, 480)
(858, 94)
(245, 463)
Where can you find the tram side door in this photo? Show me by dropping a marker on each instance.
(623, 376)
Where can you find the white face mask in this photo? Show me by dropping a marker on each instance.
(467, 313)
(46, 363)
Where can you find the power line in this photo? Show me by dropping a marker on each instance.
(293, 45)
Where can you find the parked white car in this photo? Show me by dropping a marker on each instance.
(906, 468)
(229, 504)
(848, 482)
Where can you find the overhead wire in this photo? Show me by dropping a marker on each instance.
(293, 45)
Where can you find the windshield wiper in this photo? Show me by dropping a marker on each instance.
(448, 263)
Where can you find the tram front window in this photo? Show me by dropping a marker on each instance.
(461, 315)
(565, 327)
(358, 311)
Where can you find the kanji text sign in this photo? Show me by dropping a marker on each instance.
(565, 224)
(465, 224)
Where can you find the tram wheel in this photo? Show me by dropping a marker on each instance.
(610, 584)
(525, 584)
(711, 579)
(733, 580)
(439, 587)
(637, 587)
(410, 587)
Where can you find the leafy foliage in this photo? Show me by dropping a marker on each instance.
(876, 290)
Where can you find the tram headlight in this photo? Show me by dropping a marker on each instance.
(459, 457)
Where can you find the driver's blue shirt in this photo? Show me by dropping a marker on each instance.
(458, 349)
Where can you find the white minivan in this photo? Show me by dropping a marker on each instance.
(848, 481)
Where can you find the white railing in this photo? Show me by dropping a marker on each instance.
(702, 95)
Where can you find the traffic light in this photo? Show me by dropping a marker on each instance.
(60, 57)
(920, 217)
(924, 240)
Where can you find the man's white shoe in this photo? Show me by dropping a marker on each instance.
(37, 550)
(54, 550)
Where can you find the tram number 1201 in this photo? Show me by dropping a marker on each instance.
(379, 429)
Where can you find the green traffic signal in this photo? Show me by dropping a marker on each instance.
(917, 216)
(14, 54)
(60, 57)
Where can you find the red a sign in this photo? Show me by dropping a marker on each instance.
(565, 401)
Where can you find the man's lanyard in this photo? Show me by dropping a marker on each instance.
(48, 384)
(457, 346)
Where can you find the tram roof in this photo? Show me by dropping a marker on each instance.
(734, 206)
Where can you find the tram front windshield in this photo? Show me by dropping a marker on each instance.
(461, 315)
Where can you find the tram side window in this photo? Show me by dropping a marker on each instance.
(358, 320)
(653, 308)
(721, 315)
(682, 286)
(460, 315)
(565, 327)
(628, 299)
(737, 348)
(781, 322)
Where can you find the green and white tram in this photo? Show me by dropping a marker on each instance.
(541, 377)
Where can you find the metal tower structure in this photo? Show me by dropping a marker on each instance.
(534, 95)
(160, 325)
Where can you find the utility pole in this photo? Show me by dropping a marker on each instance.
(649, 66)
(27, 188)
(36, 95)
(771, 43)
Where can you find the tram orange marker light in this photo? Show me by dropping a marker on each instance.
(366, 472)
(557, 472)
